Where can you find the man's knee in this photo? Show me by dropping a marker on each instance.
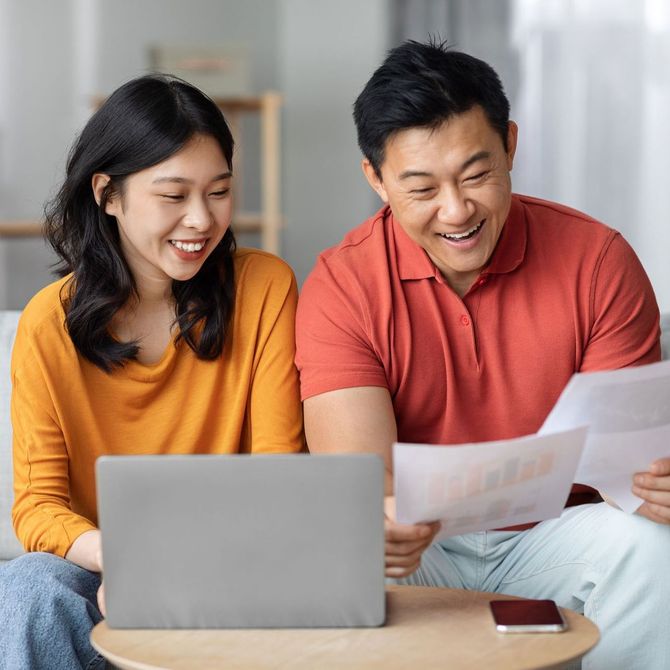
(636, 542)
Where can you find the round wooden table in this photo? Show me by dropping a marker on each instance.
(425, 627)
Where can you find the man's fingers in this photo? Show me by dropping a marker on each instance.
(654, 512)
(647, 481)
(658, 497)
(399, 572)
(660, 467)
(405, 548)
(404, 561)
(395, 532)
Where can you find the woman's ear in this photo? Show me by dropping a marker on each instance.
(99, 183)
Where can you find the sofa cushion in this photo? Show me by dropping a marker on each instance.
(665, 336)
(9, 545)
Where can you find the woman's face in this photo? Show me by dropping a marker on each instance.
(171, 216)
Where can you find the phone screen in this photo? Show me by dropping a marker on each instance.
(527, 616)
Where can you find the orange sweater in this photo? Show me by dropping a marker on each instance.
(66, 412)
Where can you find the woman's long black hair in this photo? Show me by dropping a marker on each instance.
(141, 124)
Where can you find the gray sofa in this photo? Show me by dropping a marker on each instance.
(9, 545)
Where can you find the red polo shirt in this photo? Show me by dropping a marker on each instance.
(562, 293)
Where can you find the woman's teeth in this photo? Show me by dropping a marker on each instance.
(187, 246)
(467, 234)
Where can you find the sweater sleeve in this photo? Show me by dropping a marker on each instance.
(274, 415)
(42, 515)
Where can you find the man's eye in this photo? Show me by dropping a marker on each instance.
(478, 176)
(421, 191)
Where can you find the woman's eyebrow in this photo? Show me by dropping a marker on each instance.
(184, 180)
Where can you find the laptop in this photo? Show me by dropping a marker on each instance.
(242, 541)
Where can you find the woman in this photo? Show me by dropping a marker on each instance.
(160, 339)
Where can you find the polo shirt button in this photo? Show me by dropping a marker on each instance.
(464, 320)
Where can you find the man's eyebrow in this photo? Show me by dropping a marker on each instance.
(414, 173)
(480, 155)
(183, 180)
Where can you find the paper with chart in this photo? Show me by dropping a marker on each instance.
(487, 485)
(628, 415)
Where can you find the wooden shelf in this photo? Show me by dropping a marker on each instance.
(20, 229)
(268, 221)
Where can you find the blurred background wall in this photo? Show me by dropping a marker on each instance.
(589, 83)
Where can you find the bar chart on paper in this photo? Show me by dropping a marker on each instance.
(486, 485)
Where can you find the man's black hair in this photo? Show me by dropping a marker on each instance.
(423, 85)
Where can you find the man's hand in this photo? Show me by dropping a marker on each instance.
(654, 488)
(404, 544)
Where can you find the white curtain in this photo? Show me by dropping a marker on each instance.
(589, 84)
(593, 108)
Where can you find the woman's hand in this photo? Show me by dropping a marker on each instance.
(86, 551)
(404, 544)
(101, 590)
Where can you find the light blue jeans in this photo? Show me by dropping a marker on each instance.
(611, 566)
(47, 610)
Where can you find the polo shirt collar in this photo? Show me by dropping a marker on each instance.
(511, 248)
(414, 262)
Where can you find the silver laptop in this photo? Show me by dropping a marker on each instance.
(263, 541)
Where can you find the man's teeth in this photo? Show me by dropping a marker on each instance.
(467, 233)
(187, 246)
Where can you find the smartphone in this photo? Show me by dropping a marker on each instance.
(527, 616)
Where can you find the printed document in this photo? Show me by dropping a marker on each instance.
(487, 485)
(628, 415)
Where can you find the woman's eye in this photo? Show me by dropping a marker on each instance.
(172, 196)
(421, 191)
(221, 193)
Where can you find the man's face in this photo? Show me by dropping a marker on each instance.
(450, 190)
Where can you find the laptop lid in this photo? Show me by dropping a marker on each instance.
(240, 541)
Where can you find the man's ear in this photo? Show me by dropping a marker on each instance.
(374, 180)
(99, 183)
(512, 137)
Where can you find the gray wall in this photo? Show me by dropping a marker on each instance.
(318, 53)
(37, 126)
(329, 49)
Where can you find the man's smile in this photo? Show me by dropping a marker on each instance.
(468, 234)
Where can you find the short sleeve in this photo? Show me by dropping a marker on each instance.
(625, 328)
(335, 348)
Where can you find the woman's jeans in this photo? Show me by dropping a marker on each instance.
(47, 610)
(611, 566)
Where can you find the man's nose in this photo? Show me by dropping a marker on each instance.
(454, 207)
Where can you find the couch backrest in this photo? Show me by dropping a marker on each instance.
(9, 545)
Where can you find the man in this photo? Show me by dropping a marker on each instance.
(457, 314)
